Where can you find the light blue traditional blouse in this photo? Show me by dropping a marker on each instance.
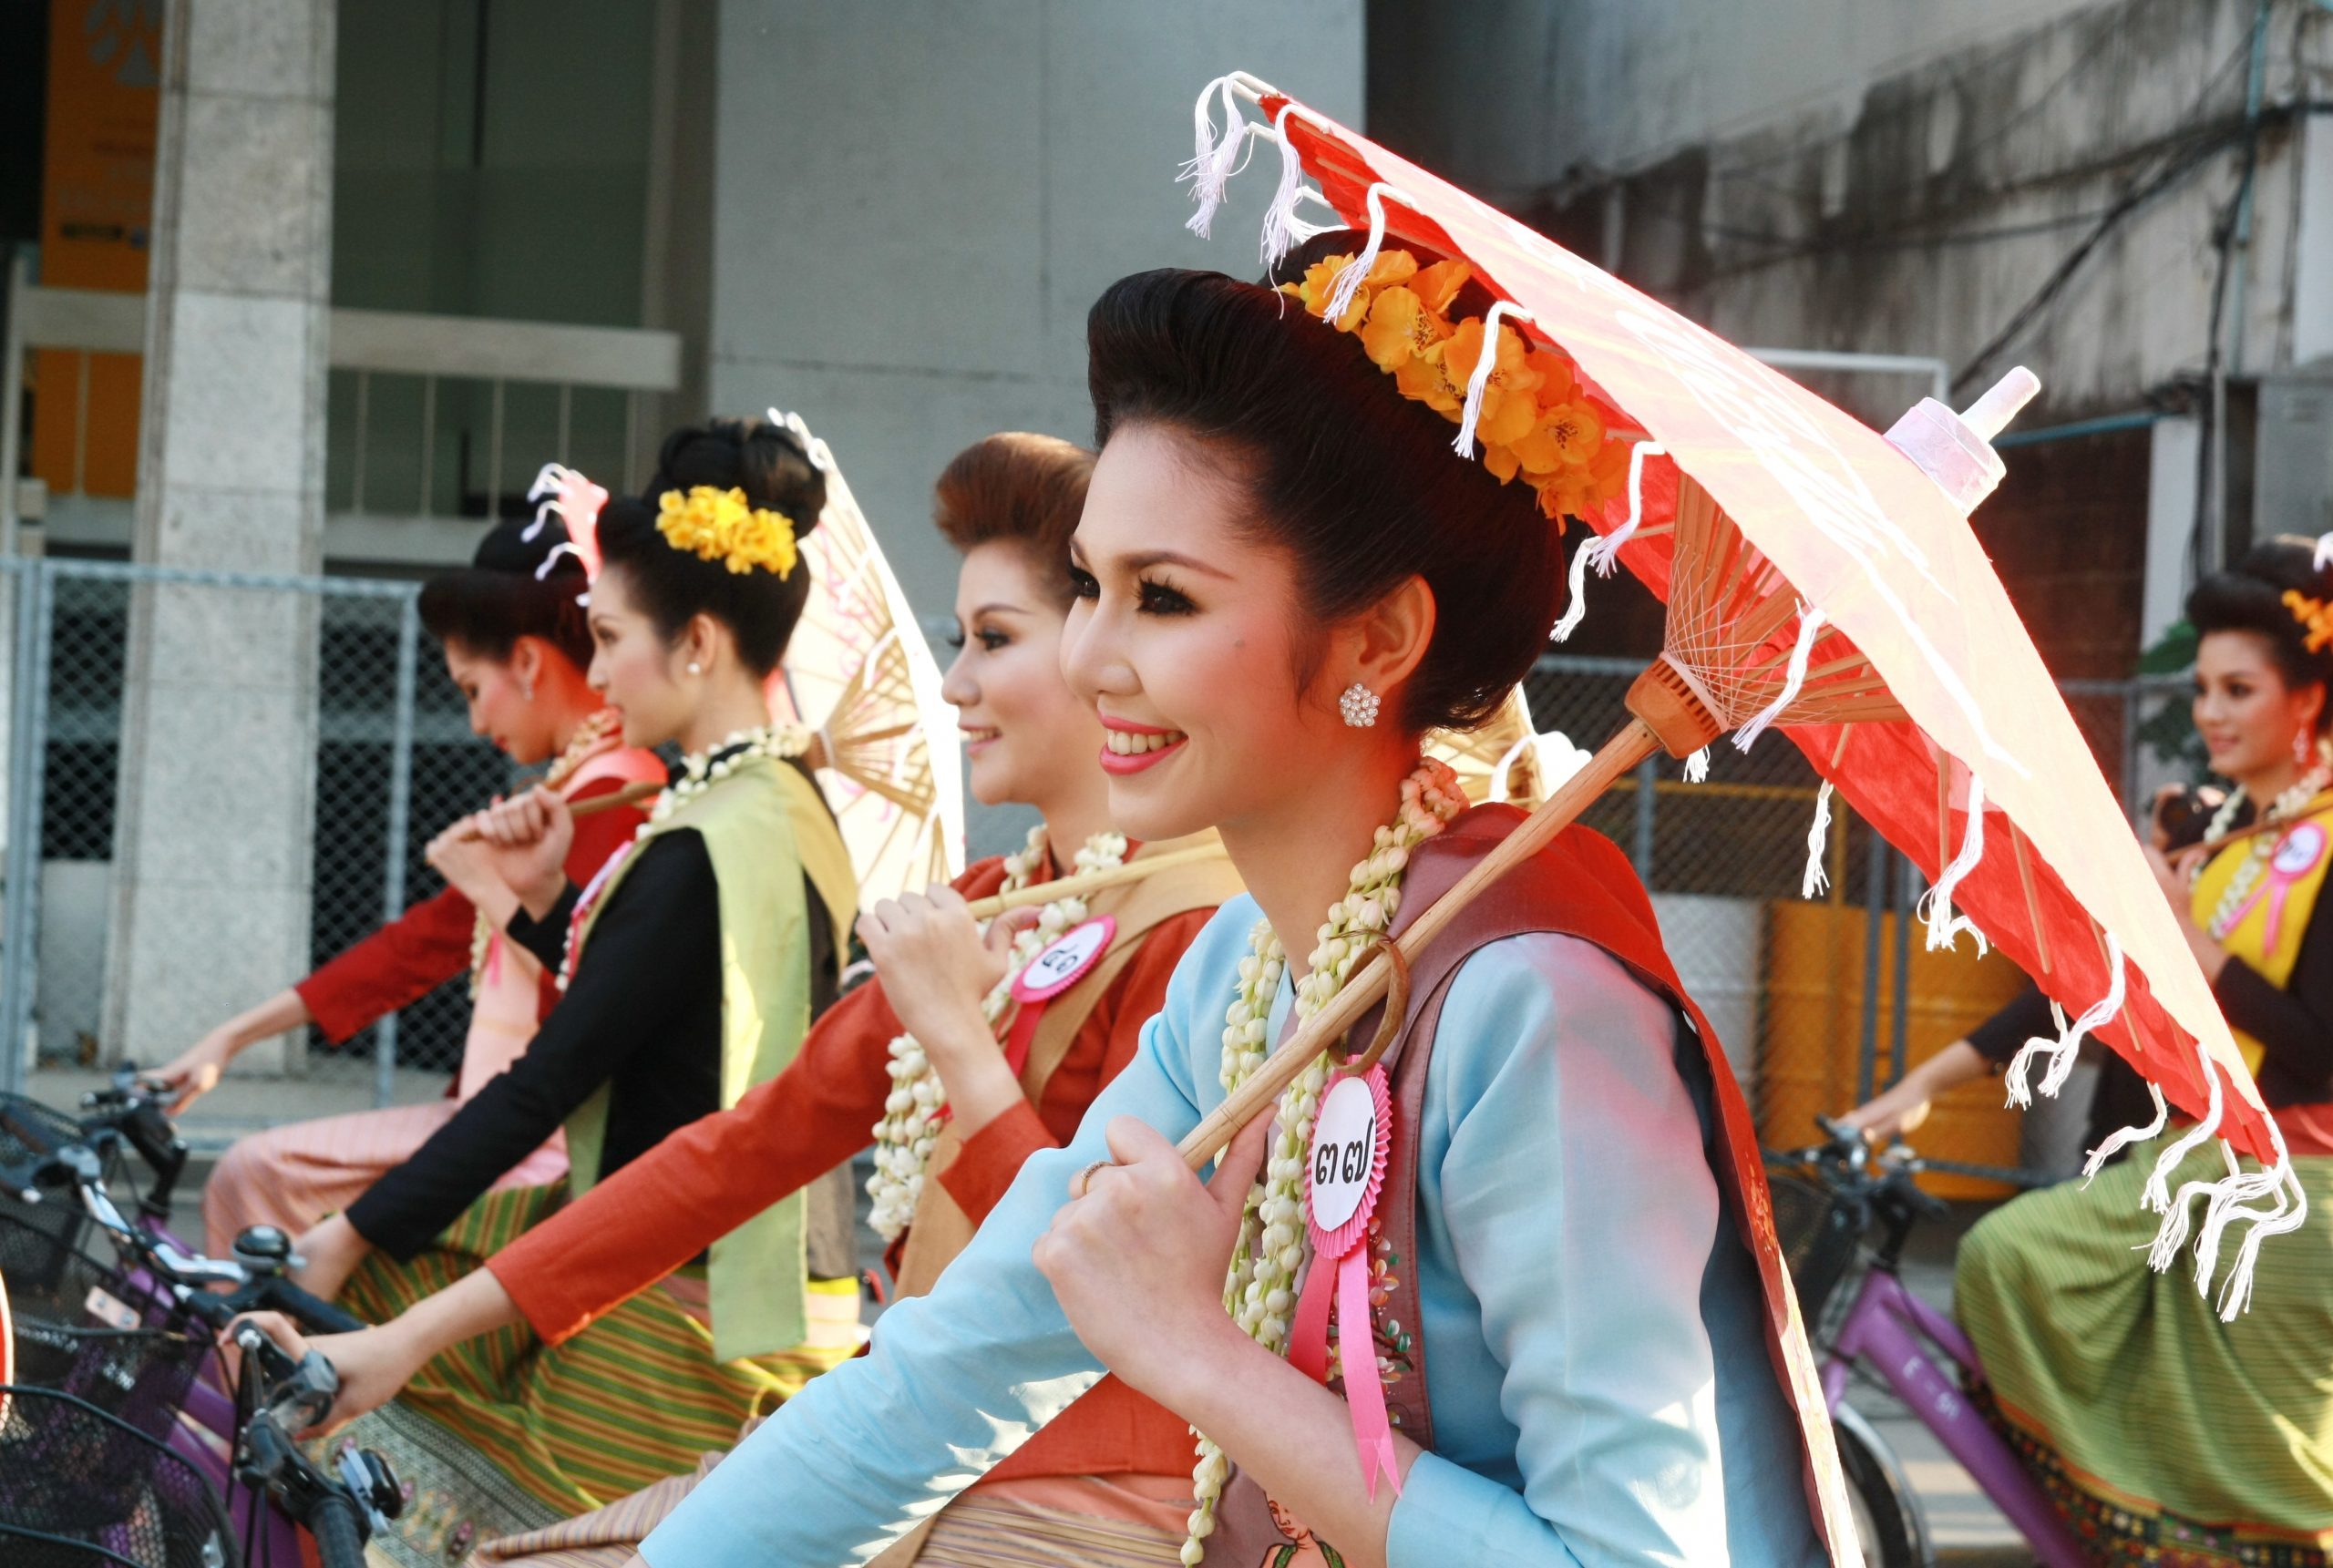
(1598, 1372)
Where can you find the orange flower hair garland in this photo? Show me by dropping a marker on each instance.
(1536, 422)
(721, 526)
(2315, 617)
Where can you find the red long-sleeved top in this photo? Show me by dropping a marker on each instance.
(429, 944)
(703, 1182)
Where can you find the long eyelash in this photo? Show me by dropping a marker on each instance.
(1083, 583)
(1158, 599)
(955, 639)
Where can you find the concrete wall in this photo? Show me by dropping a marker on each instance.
(916, 204)
(1785, 172)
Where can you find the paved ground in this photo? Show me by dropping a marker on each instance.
(1967, 1532)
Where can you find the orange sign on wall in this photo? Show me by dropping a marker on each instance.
(96, 208)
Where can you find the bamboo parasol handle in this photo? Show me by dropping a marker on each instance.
(1087, 882)
(629, 795)
(1634, 741)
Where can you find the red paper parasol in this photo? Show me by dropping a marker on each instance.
(1863, 580)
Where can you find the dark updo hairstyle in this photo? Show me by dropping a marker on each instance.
(774, 468)
(1356, 482)
(2250, 597)
(1021, 490)
(498, 598)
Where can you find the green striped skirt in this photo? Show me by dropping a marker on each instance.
(2166, 1436)
(506, 1433)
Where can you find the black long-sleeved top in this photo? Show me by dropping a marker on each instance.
(641, 1014)
(2294, 1026)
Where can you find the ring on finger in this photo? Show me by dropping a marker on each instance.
(1082, 1184)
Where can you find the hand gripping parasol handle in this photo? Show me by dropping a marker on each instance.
(1087, 882)
(639, 790)
(1669, 716)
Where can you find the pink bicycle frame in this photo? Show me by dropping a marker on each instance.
(1885, 1328)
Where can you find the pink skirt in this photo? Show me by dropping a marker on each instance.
(293, 1176)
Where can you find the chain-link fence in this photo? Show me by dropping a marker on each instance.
(347, 747)
(366, 753)
(1823, 1001)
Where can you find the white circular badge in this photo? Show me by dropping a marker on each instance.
(2301, 849)
(1057, 969)
(1344, 1152)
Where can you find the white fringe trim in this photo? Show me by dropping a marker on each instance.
(1697, 766)
(544, 493)
(1478, 383)
(1209, 169)
(1817, 880)
(1936, 905)
(2122, 1139)
(1603, 553)
(1810, 627)
(1356, 272)
(2062, 1050)
(1283, 229)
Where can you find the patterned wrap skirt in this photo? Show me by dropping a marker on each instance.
(2168, 1438)
(505, 1433)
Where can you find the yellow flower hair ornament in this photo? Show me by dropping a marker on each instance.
(1533, 420)
(720, 526)
(2315, 617)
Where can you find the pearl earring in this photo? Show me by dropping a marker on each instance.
(2302, 749)
(1358, 706)
(695, 668)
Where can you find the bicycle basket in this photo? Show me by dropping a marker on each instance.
(80, 1488)
(140, 1372)
(1818, 1234)
(30, 1133)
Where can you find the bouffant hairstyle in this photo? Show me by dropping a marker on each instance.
(2250, 597)
(1019, 488)
(499, 597)
(1358, 484)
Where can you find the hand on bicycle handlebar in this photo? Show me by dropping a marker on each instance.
(196, 1071)
(373, 1364)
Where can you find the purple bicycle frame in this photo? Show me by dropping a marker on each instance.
(1885, 1326)
(204, 1437)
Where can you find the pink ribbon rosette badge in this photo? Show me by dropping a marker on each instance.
(1353, 1134)
(2297, 855)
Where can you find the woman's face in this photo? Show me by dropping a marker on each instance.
(638, 673)
(2244, 712)
(499, 707)
(1024, 731)
(1182, 638)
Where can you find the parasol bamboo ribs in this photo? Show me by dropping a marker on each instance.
(1726, 602)
(1087, 882)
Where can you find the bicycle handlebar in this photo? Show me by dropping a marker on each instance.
(339, 1531)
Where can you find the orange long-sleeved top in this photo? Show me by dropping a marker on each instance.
(664, 1208)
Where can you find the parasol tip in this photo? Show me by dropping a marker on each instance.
(1991, 414)
(1955, 449)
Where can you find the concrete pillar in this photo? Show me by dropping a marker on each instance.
(213, 833)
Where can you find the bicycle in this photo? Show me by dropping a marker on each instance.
(1830, 1198)
(117, 1349)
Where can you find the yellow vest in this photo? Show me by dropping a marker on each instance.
(764, 828)
(2276, 908)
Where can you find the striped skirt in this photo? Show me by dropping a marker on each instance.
(505, 1433)
(2169, 1438)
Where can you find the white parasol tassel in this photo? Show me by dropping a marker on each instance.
(1283, 229)
(1810, 627)
(1697, 766)
(1603, 553)
(2227, 1207)
(2172, 1235)
(1936, 906)
(2236, 1296)
(2062, 1050)
(2123, 1138)
(2324, 554)
(1356, 272)
(1478, 383)
(1209, 169)
(1816, 880)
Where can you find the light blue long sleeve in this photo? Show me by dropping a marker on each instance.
(1599, 1381)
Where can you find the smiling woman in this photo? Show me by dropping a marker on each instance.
(1271, 527)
